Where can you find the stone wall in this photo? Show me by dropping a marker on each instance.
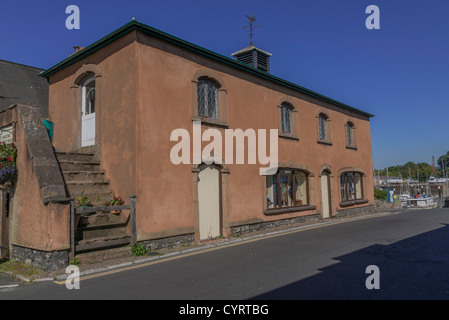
(169, 241)
(274, 224)
(46, 260)
(356, 211)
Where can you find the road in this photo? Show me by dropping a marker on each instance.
(409, 248)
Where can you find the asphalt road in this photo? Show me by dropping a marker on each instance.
(410, 250)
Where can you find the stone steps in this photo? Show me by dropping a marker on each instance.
(70, 165)
(100, 230)
(100, 224)
(82, 173)
(75, 176)
(110, 254)
(92, 189)
(74, 156)
(102, 243)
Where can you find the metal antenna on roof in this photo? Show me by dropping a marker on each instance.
(251, 21)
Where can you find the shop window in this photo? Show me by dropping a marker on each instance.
(287, 188)
(351, 186)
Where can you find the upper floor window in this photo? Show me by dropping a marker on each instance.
(287, 188)
(351, 186)
(323, 130)
(286, 118)
(208, 105)
(350, 135)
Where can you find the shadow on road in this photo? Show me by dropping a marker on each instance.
(413, 268)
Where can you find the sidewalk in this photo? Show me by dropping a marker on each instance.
(120, 257)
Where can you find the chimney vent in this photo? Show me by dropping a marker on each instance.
(77, 48)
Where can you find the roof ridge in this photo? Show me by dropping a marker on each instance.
(21, 64)
(136, 25)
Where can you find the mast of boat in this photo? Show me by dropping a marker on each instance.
(417, 173)
(388, 182)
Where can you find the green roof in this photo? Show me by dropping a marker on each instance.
(136, 25)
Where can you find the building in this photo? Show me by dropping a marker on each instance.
(121, 98)
(21, 84)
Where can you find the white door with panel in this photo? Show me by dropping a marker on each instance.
(209, 202)
(325, 194)
(88, 113)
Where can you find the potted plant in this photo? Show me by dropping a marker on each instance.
(83, 201)
(116, 201)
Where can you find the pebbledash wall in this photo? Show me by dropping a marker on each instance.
(146, 86)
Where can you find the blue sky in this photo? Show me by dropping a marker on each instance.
(399, 73)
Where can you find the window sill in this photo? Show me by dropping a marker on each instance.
(288, 136)
(324, 142)
(211, 122)
(352, 202)
(351, 147)
(270, 212)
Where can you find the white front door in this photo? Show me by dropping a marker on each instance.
(88, 113)
(325, 194)
(209, 202)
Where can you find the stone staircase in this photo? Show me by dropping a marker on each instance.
(82, 172)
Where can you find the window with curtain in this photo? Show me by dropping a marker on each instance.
(287, 188)
(351, 186)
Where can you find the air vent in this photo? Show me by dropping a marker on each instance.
(254, 57)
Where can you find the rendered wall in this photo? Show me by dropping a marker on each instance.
(146, 92)
(39, 210)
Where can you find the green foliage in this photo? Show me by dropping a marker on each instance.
(75, 261)
(8, 167)
(411, 170)
(138, 250)
(380, 194)
(83, 199)
(116, 201)
(443, 160)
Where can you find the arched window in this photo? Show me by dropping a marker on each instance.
(323, 130)
(208, 105)
(88, 95)
(287, 188)
(286, 118)
(350, 135)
